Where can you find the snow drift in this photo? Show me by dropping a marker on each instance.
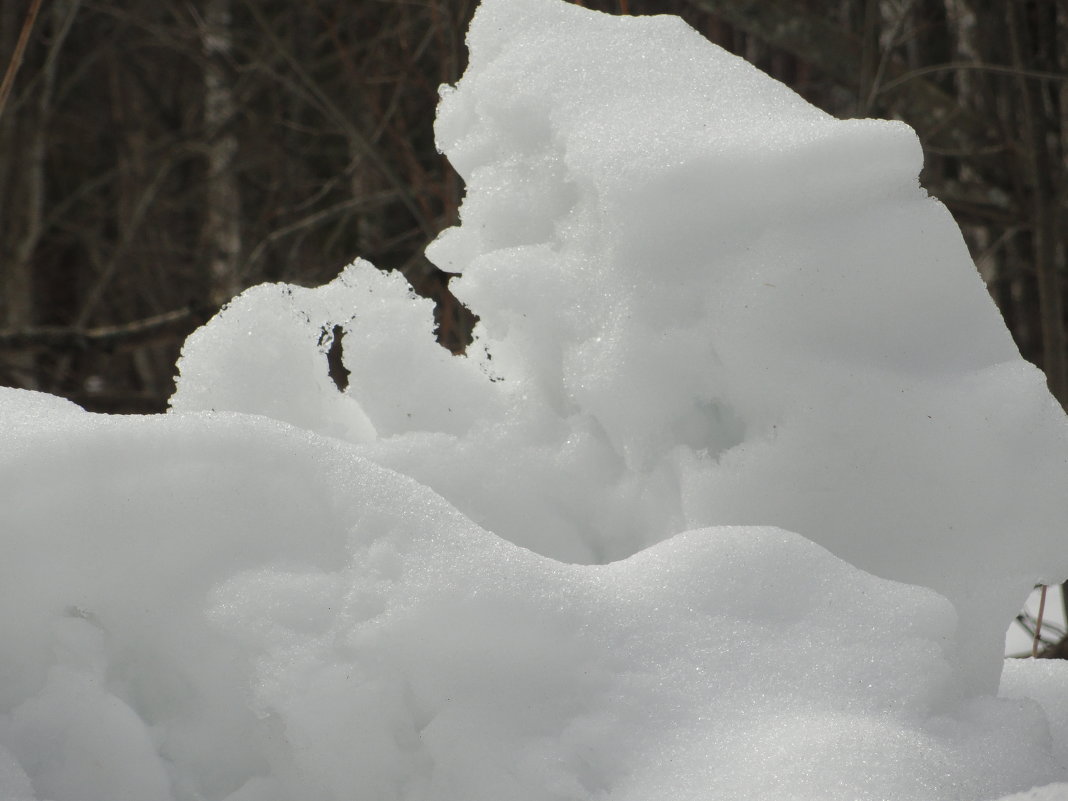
(222, 606)
(561, 567)
(703, 301)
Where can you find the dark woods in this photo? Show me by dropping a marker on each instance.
(158, 157)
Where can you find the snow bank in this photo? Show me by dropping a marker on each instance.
(561, 567)
(223, 606)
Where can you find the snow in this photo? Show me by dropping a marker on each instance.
(215, 605)
(734, 496)
(1052, 792)
(1042, 680)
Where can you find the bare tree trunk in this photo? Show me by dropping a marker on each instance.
(21, 213)
(869, 56)
(222, 213)
(15, 301)
(24, 199)
(1043, 168)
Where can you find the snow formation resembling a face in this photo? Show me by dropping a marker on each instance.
(733, 496)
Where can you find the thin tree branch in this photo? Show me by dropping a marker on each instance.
(356, 136)
(956, 66)
(126, 336)
(1038, 623)
(884, 58)
(317, 217)
(19, 52)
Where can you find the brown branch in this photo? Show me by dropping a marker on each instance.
(358, 138)
(974, 208)
(1038, 623)
(16, 57)
(125, 336)
(958, 66)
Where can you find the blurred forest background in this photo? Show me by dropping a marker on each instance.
(158, 156)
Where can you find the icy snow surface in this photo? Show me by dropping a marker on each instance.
(561, 567)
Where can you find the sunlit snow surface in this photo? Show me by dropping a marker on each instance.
(561, 567)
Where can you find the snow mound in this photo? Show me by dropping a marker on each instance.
(561, 567)
(703, 302)
(222, 606)
(1044, 681)
(1052, 792)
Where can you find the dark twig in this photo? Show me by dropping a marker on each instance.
(16, 56)
(1038, 623)
(125, 336)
